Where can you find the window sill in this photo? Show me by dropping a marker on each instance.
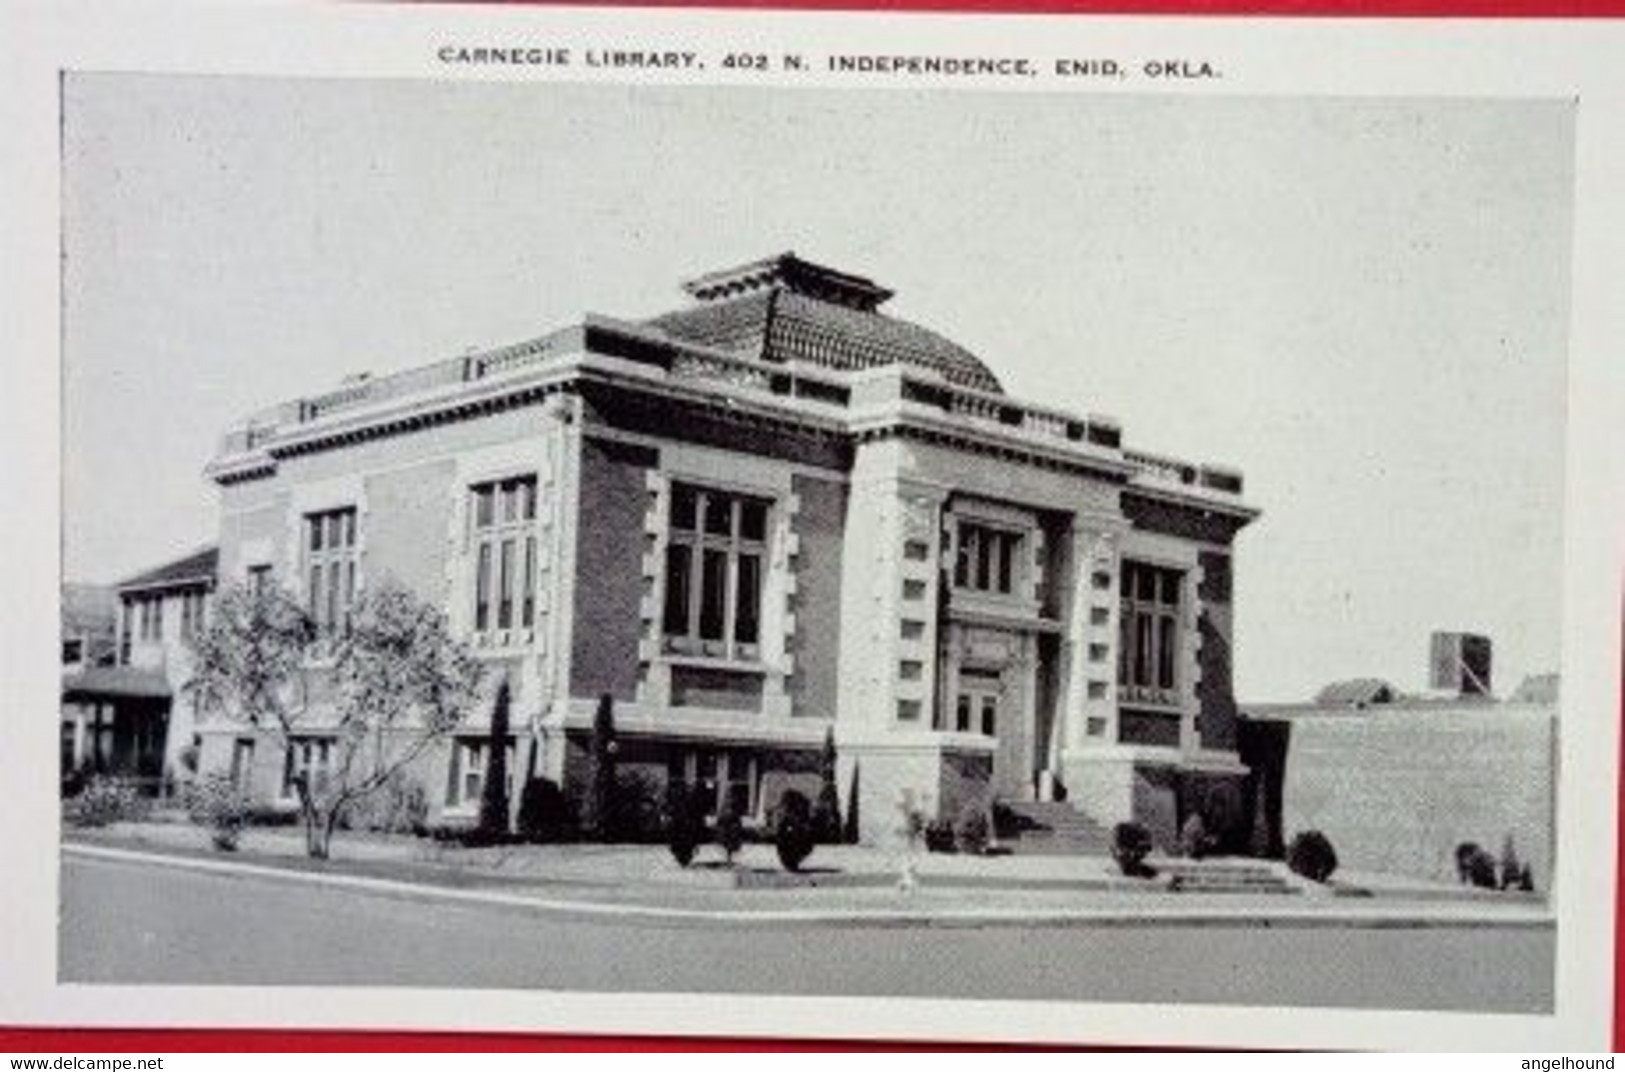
(501, 641)
(714, 662)
(1154, 700)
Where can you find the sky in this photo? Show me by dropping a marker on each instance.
(1362, 303)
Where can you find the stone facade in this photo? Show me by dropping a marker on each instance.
(773, 512)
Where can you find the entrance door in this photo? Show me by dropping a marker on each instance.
(989, 704)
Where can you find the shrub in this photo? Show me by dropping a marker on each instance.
(495, 807)
(1131, 844)
(544, 812)
(1312, 856)
(794, 836)
(216, 803)
(637, 806)
(971, 829)
(399, 806)
(1194, 839)
(685, 829)
(939, 836)
(1464, 858)
(602, 812)
(105, 801)
(1511, 867)
(1481, 870)
(827, 811)
(730, 832)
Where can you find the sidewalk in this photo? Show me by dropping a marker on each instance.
(840, 884)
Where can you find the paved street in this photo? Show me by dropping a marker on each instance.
(130, 922)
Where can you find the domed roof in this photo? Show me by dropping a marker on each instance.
(788, 309)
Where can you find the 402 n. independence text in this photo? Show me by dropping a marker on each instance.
(894, 64)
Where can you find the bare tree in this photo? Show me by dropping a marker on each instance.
(380, 691)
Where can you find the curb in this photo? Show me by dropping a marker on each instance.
(1324, 914)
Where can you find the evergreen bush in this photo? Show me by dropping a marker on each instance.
(794, 837)
(971, 830)
(685, 828)
(544, 812)
(1131, 844)
(1312, 856)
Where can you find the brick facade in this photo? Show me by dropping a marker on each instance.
(778, 511)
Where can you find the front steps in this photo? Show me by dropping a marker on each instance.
(1227, 875)
(1051, 828)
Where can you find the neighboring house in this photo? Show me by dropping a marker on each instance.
(771, 511)
(1398, 783)
(88, 644)
(126, 714)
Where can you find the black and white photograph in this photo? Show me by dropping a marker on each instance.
(653, 536)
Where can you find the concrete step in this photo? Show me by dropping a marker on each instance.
(1224, 876)
(1051, 828)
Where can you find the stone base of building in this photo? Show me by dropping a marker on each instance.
(1159, 792)
(934, 778)
(754, 776)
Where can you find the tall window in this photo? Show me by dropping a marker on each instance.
(465, 779)
(192, 612)
(259, 579)
(987, 559)
(309, 758)
(722, 779)
(242, 763)
(714, 559)
(1149, 649)
(330, 566)
(126, 633)
(504, 552)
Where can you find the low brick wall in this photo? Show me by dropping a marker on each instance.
(1397, 790)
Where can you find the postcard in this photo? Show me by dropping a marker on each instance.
(1003, 528)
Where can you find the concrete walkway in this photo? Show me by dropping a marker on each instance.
(839, 882)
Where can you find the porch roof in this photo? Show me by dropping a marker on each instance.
(126, 682)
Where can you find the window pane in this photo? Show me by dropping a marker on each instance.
(1166, 649)
(1170, 588)
(678, 572)
(315, 523)
(1145, 584)
(683, 506)
(984, 561)
(482, 590)
(747, 613)
(510, 501)
(753, 520)
(505, 587)
(962, 714)
(527, 499)
(316, 593)
(527, 615)
(718, 514)
(482, 505)
(714, 595)
(1142, 649)
(1007, 552)
(1125, 646)
(990, 714)
(333, 594)
(335, 530)
(349, 593)
(349, 528)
